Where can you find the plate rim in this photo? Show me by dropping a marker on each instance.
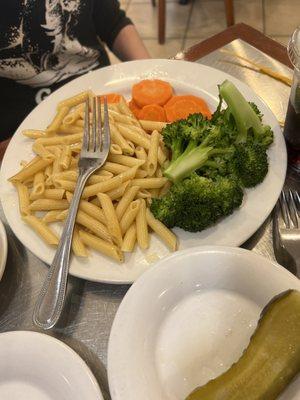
(154, 272)
(237, 241)
(51, 340)
(3, 236)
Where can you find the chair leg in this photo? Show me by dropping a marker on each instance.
(229, 12)
(161, 21)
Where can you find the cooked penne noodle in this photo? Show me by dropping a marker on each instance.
(56, 122)
(102, 246)
(78, 246)
(135, 128)
(55, 194)
(125, 119)
(79, 123)
(65, 157)
(141, 173)
(143, 194)
(75, 100)
(158, 172)
(23, 196)
(48, 171)
(48, 204)
(124, 109)
(161, 230)
(118, 191)
(110, 184)
(33, 133)
(129, 215)
(129, 239)
(112, 221)
(56, 165)
(125, 160)
(102, 172)
(142, 235)
(117, 138)
(141, 153)
(115, 149)
(151, 164)
(52, 216)
(152, 125)
(30, 170)
(38, 184)
(154, 193)
(41, 229)
(161, 156)
(93, 225)
(90, 208)
(134, 136)
(126, 200)
(149, 183)
(73, 176)
(57, 140)
(64, 184)
(114, 168)
(42, 151)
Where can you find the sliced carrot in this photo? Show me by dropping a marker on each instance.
(179, 107)
(153, 112)
(134, 108)
(152, 91)
(111, 97)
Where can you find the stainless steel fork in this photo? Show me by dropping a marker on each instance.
(94, 151)
(286, 230)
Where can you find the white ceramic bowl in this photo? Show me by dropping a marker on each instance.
(189, 319)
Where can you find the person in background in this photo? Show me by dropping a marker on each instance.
(46, 43)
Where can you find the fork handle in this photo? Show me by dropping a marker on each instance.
(52, 296)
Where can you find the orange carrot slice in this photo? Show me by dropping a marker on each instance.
(152, 91)
(134, 108)
(179, 107)
(111, 97)
(153, 112)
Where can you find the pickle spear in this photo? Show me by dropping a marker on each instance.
(271, 360)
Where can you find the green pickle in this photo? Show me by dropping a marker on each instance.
(269, 363)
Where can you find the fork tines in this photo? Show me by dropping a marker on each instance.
(98, 137)
(290, 207)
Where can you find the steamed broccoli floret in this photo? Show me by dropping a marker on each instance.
(197, 202)
(199, 141)
(250, 164)
(247, 117)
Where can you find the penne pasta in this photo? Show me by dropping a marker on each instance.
(152, 125)
(118, 191)
(65, 157)
(141, 153)
(55, 194)
(41, 229)
(125, 160)
(118, 139)
(149, 183)
(143, 194)
(33, 133)
(129, 215)
(115, 149)
(75, 100)
(112, 221)
(89, 208)
(129, 239)
(102, 246)
(38, 185)
(64, 184)
(126, 200)
(114, 168)
(58, 140)
(56, 122)
(142, 235)
(110, 184)
(78, 246)
(52, 216)
(23, 195)
(48, 204)
(93, 225)
(161, 230)
(151, 164)
(164, 190)
(30, 170)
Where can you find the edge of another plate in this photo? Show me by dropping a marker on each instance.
(3, 249)
(50, 340)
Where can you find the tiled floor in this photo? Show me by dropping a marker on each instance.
(200, 19)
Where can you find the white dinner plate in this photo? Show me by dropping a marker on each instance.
(35, 366)
(188, 319)
(3, 248)
(186, 78)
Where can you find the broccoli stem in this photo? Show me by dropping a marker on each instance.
(244, 115)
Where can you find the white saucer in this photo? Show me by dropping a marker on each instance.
(35, 366)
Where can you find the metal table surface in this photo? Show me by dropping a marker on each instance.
(90, 307)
